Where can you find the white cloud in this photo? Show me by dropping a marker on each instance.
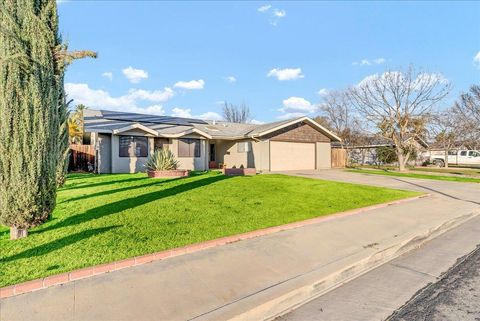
(151, 110)
(101, 99)
(180, 112)
(296, 107)
(135, 75)
(423, 79)
(476, 60)
(274, 15)
(379, 61)
(323, 92)
(257, 122)
(264, 8)
(210, 115)
(192, 84)
(231, 79)
(286, 73)
(108, 74)
(279, 13)
(297, 104)
(367, 62)
(155, 95)
(187, 113)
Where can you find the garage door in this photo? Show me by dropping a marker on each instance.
(292, 156)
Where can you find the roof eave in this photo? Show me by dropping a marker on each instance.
(135, 126)
(295, 121)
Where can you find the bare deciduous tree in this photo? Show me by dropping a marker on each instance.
(444, 130)
(339, 115)
(236, 113)
(397, 103)
(467, 113)
(337, 110)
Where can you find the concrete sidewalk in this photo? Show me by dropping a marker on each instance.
(261, 277)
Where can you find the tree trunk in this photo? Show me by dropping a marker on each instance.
(18, 233)
(446, 158)
(401, 160)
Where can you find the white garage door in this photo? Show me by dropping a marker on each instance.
(292, 156)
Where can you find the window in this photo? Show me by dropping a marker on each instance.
(133, 146)
(463, 153)
(188, 147)
(160, 143)
(243, 147)
(473, 153)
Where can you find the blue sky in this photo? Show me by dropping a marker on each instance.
(186, 58)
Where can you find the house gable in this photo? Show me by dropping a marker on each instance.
(299, 132)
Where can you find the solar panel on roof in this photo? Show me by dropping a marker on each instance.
(150, 118)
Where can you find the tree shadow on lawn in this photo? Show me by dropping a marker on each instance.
(57, 244)
(129, 203)
(118, 190)
(85, 185)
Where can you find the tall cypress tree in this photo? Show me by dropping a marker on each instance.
(32, 111)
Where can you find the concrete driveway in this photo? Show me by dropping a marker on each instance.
(453, 191)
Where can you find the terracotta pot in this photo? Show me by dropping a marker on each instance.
(174, 173)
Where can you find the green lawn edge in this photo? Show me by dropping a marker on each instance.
(105, 218)
(415, 175)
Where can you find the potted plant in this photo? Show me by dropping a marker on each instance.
(163, 164)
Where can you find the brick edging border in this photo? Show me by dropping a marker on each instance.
(63, 278)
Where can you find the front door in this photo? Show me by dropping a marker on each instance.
(212, 152)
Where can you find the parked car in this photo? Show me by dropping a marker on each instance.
(460, 157)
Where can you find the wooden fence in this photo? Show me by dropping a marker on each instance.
(82, 158)
(339, 158)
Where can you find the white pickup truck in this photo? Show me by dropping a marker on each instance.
(460, 157)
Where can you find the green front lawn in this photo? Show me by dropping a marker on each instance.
(103, 218)
(416, 175)
(473, 172)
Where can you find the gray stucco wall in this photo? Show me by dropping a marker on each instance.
(226, 152)
(104, 153)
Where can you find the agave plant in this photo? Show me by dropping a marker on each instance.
(162, 160)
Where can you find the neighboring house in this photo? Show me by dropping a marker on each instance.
(123, 142)
(367, 154)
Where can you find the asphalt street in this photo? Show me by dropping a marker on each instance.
(456, 296)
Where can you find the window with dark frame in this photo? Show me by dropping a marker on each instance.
(133, 146)
(188, 147)
(243, 147)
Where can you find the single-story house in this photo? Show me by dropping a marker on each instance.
(123, 142)
(366, 154)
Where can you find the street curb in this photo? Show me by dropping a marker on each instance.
(59, 279)
(313, 287)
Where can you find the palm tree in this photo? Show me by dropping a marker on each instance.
(75, 132)
(75, 125)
